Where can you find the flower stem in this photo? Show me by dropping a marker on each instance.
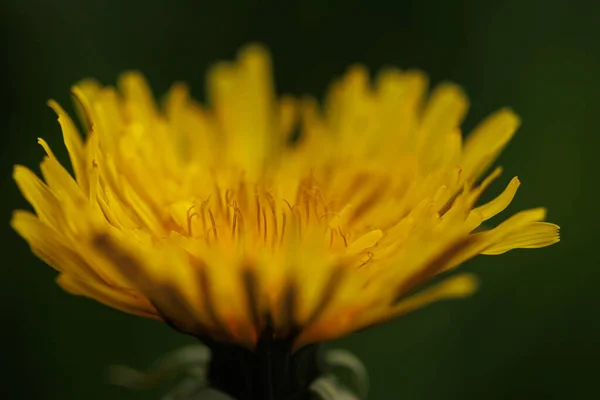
(271, 372)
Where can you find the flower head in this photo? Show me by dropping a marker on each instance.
(223, 222)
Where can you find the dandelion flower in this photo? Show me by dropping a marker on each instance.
(256, 216)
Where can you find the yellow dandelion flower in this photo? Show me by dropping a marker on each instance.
(221, 221)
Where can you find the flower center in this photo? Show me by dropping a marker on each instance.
(252, 215)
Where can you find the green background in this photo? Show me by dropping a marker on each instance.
(531, 332)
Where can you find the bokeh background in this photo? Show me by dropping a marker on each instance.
(531, 332)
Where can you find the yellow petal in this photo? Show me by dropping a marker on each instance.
(494, 207)
(67, 191)
(143, 211)
(221, 284)
(517, 221)
(367, 240)
(454, 287)
(400, 95)
(41, 198)
(124, 301)
(165, 278)
(288, 117)
(474, 195)
(73, 142)
(60, 181)
(51, 246)
(137, 92)
(83, 94)
(532, 236)
(442, 117)
(498, 205)
(480, 242)
(486, 141)
(242, 96)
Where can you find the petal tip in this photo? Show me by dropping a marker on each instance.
(53, 104)
(255, 53)
(464, 285)
(18, 171)
(510, 116)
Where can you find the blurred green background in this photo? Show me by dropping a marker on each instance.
(531, 332)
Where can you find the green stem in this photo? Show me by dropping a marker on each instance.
(271, 372)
